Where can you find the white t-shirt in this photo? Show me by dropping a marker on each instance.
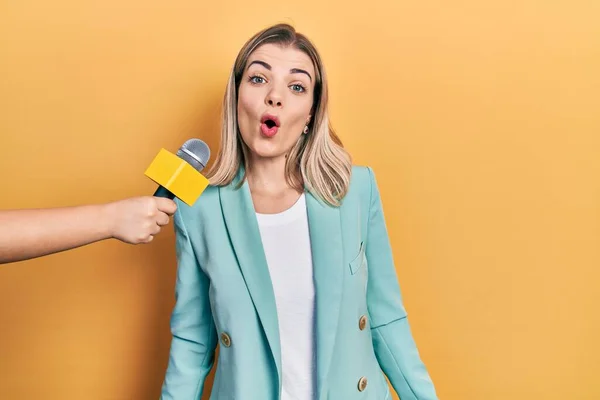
(286, 242)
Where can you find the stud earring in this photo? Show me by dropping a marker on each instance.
(305, 131)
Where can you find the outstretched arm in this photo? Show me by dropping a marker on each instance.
(26, 234)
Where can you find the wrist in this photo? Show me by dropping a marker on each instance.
(107, 223)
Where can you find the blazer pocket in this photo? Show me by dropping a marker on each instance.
(359, 261)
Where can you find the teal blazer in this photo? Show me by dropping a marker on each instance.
(224, 295)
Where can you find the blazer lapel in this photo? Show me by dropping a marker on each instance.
(327, 256)
(242, 226)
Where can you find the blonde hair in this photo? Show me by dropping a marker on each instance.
(318, 160)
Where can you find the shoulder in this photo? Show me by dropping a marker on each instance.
(362, 179)
(362, 185)
(361, 175)
(208, 200)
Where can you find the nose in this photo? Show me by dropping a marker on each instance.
(274, 99)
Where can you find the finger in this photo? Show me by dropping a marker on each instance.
(162, 219)
(155, 230)
(149, 239)
(166, 205)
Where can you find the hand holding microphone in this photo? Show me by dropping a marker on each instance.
(178, 176)
(26, 234)
(137, 220)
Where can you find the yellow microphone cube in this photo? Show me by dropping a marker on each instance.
(176, 175)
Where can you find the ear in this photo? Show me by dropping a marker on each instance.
(305, 131)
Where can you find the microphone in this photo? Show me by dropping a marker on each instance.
(179, 175)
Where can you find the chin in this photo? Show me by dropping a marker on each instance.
(262, 153)
(267, 149)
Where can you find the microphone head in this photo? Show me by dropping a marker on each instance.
(195, 152)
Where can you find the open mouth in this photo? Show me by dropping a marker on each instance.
(270, 121)
(269, 125)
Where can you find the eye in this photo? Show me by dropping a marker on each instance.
(298, 88)
(257, 79)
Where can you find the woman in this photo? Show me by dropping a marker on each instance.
(285, 259)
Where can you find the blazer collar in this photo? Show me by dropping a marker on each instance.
(327, 257)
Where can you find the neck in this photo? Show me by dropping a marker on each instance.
(267, 175)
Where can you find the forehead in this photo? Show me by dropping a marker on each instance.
(278, 56)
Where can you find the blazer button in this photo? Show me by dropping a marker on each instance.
(362, 322)
(225, 339)
(362, 384)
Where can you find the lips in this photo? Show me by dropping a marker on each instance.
(269, 125)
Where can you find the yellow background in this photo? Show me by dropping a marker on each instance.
(481, 120)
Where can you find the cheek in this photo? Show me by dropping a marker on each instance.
(242, 106)
(302, 110)
(245, 114)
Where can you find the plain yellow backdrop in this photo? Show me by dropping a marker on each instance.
(481, 120)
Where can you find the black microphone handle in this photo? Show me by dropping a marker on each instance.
(164, 192)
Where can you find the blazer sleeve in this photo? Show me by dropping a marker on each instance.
(193, 341)
(394, 346)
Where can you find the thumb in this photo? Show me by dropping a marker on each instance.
(167, 206)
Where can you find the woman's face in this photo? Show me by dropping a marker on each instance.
(275, 98)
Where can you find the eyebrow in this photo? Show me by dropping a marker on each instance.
(292, 71)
